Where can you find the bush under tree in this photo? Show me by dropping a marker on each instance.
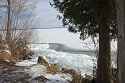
(17, 25)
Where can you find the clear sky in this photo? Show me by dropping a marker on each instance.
(47, 14)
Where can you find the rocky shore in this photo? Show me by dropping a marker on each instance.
(10, 73)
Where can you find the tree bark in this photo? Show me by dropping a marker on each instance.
(8, 22)
(121, 41)
(104, 58)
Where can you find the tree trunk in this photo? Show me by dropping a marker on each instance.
(121, 41)
(8, 34)
(104, 59)
(8, 23)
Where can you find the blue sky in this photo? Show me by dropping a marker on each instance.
(47, 14)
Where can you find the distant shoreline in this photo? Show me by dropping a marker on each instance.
(38, 28)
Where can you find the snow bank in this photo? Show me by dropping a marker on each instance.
(26, 62)
(38, 70)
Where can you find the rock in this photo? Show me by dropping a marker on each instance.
(64, 70)
(77, 78)
(53, 69)
(5, 56)
(89, 77)
(73, 72)
(42, 61)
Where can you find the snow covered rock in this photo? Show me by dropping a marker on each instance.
(54, 68)
(42, 61)
(77, 78)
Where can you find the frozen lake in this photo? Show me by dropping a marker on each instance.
(60, 39)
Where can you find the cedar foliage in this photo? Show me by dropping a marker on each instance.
(84, 15)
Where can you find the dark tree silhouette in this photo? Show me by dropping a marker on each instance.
(90, 18)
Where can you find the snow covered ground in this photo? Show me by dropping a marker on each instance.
(39, 70)
(81, 62)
